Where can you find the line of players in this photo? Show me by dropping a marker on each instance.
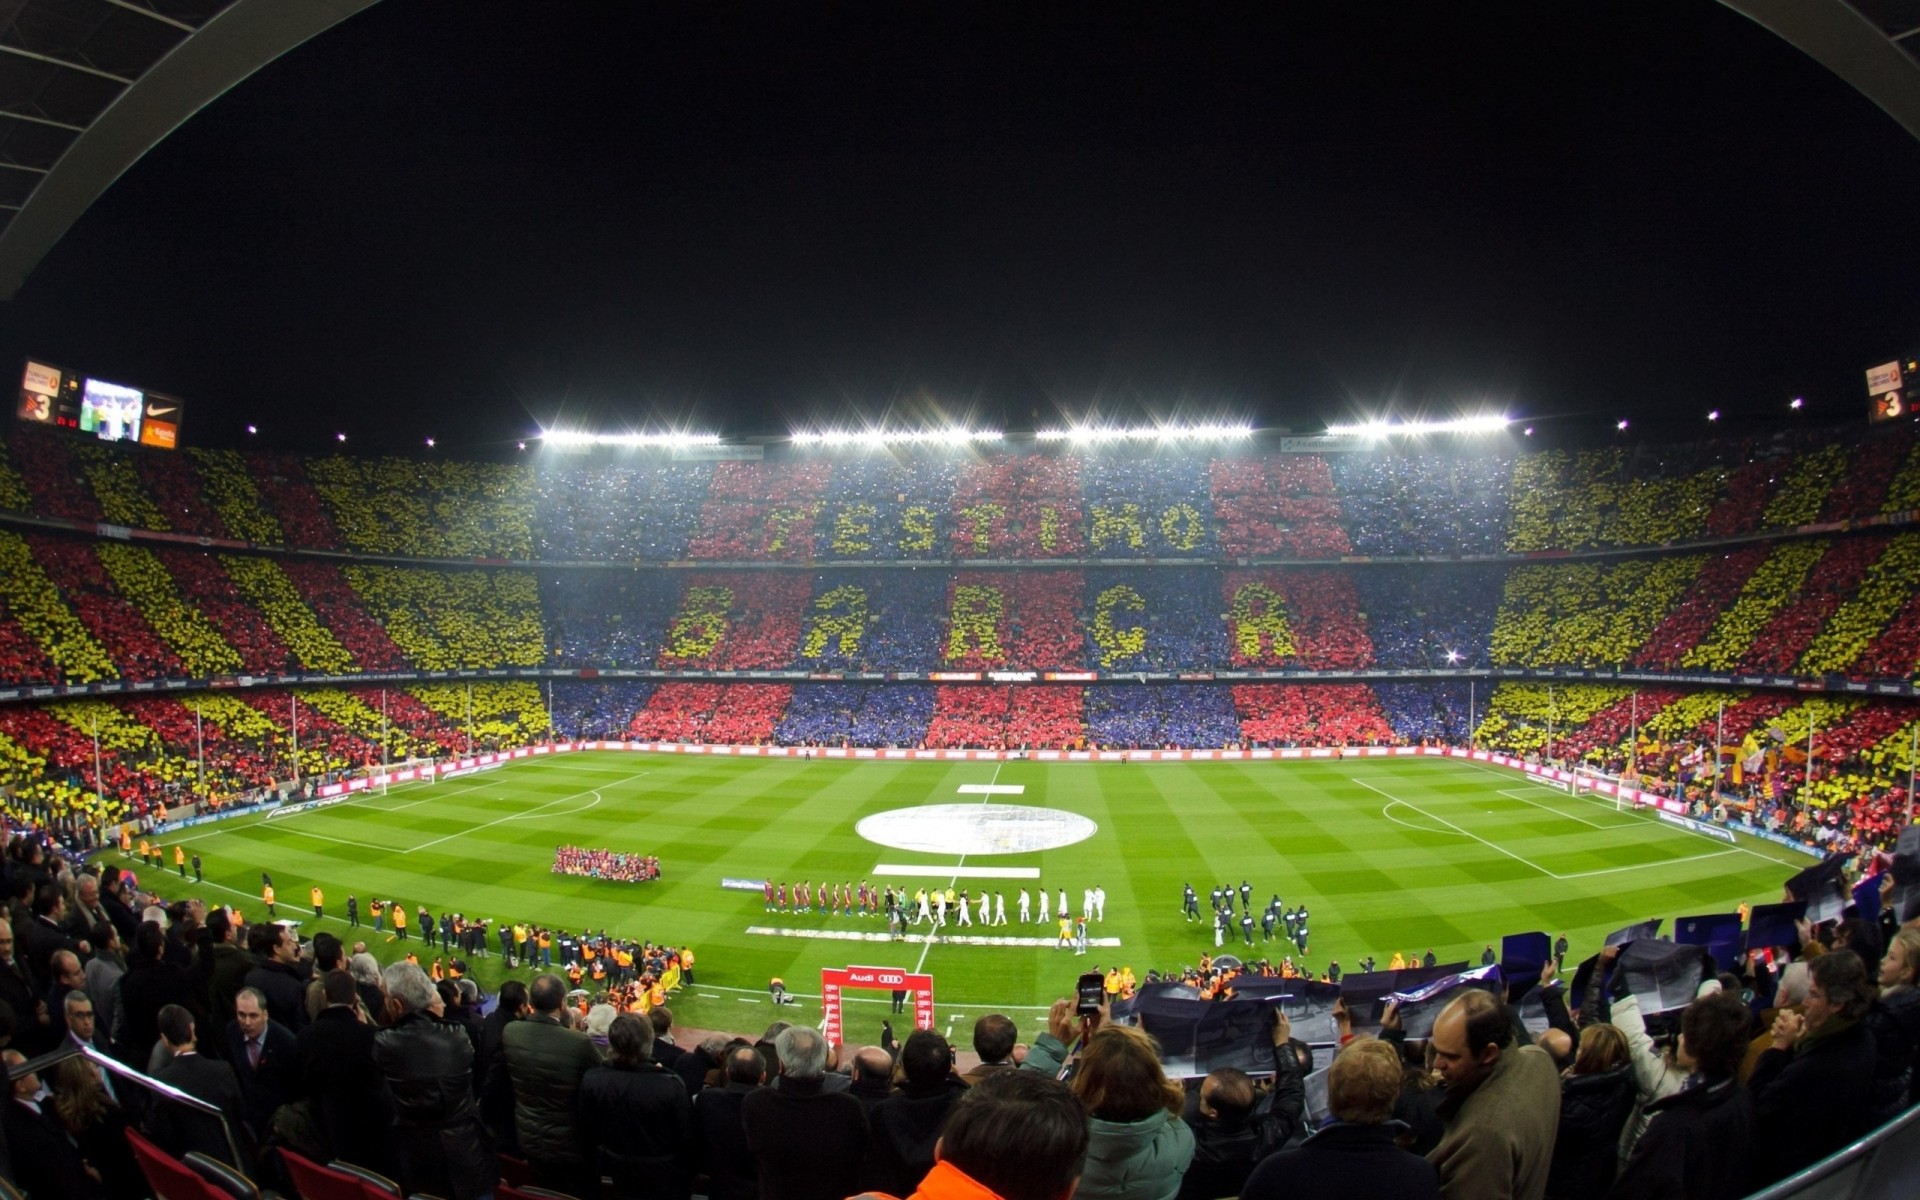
(924, 904)
(1274, 915)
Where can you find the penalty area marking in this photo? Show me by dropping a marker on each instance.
(945, 939)
(956, 871)
(1499, 849)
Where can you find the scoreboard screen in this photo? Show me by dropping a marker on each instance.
(112, 412)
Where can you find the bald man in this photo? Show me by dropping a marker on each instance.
(1502, 1107)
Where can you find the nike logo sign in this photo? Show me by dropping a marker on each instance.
(161, 410)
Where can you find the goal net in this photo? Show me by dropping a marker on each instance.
(407, 770)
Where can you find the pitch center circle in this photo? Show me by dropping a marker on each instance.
(975, 828)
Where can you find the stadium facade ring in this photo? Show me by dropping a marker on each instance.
(975, 828)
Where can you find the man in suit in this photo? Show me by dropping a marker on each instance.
(45, 1162)
(720, 1133)
(265, 1058)
(180, 1130)
(86, 911)
(31, 1028)
(43, 934)
(68, 976)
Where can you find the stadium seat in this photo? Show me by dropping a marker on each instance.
(224, 1179)
(170, 1178)
(315, 1182)
(507, 1191)
(514, 1170)
(372, 1183)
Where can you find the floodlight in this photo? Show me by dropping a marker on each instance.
(1377, 429)
(580, 439)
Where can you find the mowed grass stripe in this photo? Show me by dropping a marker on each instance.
(1305, 830)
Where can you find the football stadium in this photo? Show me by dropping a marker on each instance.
(1190, 804)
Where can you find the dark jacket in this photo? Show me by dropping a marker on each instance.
(1698, 1146)
(1353, 1162)
(1586, 1152)
(1227, 1148)
(36, 943)
(442, 1146)
(546, 1063)
(346, 1089)
(178, 1129)
(45, 1162)
(492, 1086)
(149, 986)
(274, 1082)
(692, 1069)
(720, 1140)
(227, 967)
(901, 1131)
(20, 993)
(1811, 1100)
(285, 988)
(1894, 1022)
(809, 1142)
(640, 1120)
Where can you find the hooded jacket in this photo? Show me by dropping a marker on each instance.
(1586, 1149)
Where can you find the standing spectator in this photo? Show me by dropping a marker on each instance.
(264, 1057)
(905, 1125)
(336, 1063)
(1356, 1157)
(1811, 1093)
(808, 1140)
(32, 1030)
(220, 970)
(546, 1061)
(150, 985)
(1596, 1098)
(428, 1068)
(279, 974)
(1698, 1144)
(1017, 1135)
(872, 1079)
(733, 1172)
(1138, 1147)
(1233, 1128)
(635, 1114)
(994, 1037)
(1894, 1021)
(1501, 1107)
(97, 1124)
(180, 1130)
(103, 971)
(492, 1084)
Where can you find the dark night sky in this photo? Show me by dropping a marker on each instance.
(467, 219)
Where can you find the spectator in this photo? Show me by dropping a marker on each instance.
(1501, 1107)
(1895, 1023)
(665, 1052)
(1596, 1098)
(279, 974)
(809, 1141)
(635, 1114)
(491, 1082)
(97, 1125)
(150, 985)
(220, 971)
(1811, 1093)
(44, 1159)
(1698, 1143)
(104, 971)
(872, 1078)
(180, 1130)
(1355, 1157)
(428, 1067)
(1017, 1135)
(720, 1139)
(546, 1061)
(905, 1126)
(1234, 1128)
(342, 1082)
(1138, 1147)
(264, 1057)
(994, 1037)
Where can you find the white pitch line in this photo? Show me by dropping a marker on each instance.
(928, 945)
(950, 939)
(514, 816)
(857, 999)
(1671, 862)
(1499, 849)
(1408, 824)
(1513, 794)
(1778, 862)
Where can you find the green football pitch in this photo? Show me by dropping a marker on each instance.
(1401, 854)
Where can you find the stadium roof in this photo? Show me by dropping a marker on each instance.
(89, 86)
(1872, 44)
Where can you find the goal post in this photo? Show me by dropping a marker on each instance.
(407, 770)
